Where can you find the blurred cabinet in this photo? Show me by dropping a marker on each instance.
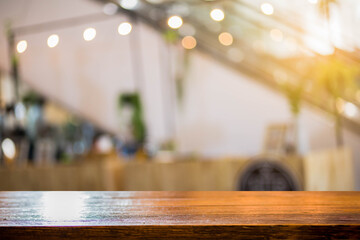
(328, 170)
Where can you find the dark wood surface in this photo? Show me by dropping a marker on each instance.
(146, 215)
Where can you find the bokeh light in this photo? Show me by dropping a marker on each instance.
(226, 38)
(188, 42)
(175, 22)
(129, 4)
(267, 8)
(217, 15)
(110, 9)
(8, 148)
(350, 109)
(89, 34)
(104, 144)
(53, 40)
(21, 46)
(124, 28)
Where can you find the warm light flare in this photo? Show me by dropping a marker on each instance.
(188, 42)
(226, 39)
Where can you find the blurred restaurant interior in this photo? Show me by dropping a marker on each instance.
(180, 95)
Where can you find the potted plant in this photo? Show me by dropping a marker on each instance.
(132, 126)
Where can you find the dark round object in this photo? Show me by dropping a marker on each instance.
(267, 176)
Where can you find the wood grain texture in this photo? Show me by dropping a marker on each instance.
(183, 215)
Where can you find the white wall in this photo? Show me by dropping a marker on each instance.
(222, 113)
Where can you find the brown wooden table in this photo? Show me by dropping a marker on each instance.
(192, 215)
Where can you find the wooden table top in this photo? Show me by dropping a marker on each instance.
(179, 214)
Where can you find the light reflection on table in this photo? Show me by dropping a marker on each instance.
(63, 206)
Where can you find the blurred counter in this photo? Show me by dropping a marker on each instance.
(329, 170)
(113, 174)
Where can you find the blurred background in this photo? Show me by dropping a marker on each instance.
(180, 95)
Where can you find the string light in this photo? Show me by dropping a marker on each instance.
(188, 42)
(267, 8)
(175, 22)
(53, 40)
(124, 28)
(21, 46)
(226, 39)
(217, 15)
(129, 4)
(89, 34)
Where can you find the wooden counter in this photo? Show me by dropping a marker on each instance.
(115, 175)
(208, 215)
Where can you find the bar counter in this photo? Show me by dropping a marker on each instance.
(183, 215)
